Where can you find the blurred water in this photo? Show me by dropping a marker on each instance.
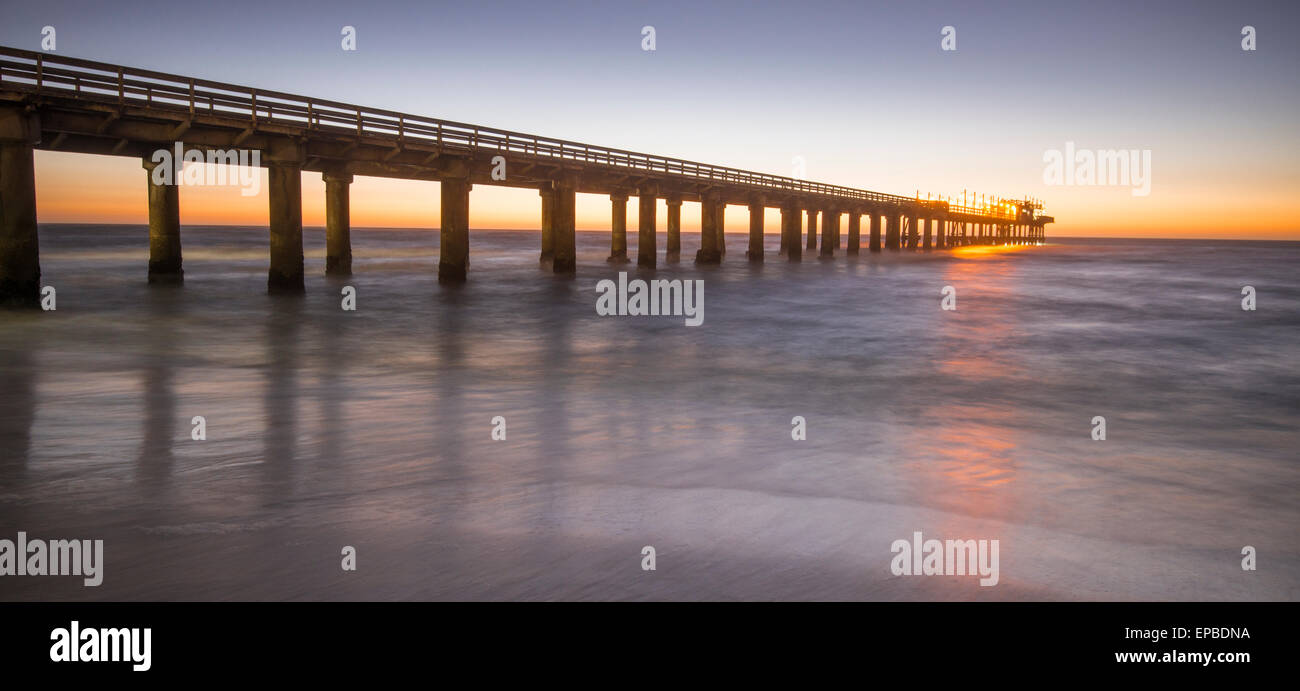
(372, 428)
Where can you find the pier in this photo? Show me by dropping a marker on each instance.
(66, 104)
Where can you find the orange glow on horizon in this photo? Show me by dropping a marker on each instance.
(80, 188)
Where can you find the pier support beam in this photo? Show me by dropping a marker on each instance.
(720, 239)
(812, 229)
(674, 250)
(453, 233)
(285, 274)
(647, 244)
(756, 216)
(927, 229)
(940, 241)
(547, 193)
(618, 228)
(785, 237)
(164, 229)
(830, 228)
(873, 241)
(790, 229)
(711, 223)
(914, 232)
(338, 224)
(855, 231)
(893, 234)
(564, 225)
(20, 266)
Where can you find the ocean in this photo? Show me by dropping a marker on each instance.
(374, 429)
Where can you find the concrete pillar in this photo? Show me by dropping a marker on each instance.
(711, 220)
(756, 214)
(164, 229)
(939, 227)
(893, 234)
(791, 225)
(338, 224)
(618, 228)
(285, 274)
(836, 240)
(547, 193)
(812, 229)
(855, 231)
(564, 226)
(914, 232)
(453, 233)
(20, 266)
(647, 243)
(785, 237)
(674, 250)
(927, 229)
(873, 241)
(830, 226)
(720, 239)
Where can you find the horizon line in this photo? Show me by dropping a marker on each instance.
(630, 231)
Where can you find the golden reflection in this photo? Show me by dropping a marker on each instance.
(975, 251)
(965, 459)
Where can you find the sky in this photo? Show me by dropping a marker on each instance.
(861, 93)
